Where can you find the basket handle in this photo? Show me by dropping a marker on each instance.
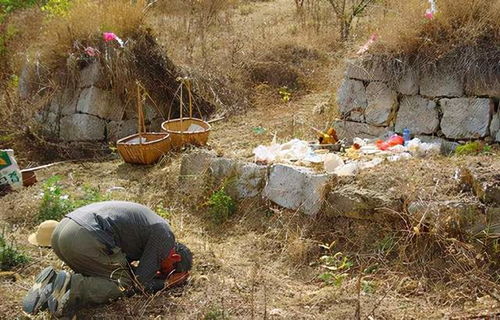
(140, 115)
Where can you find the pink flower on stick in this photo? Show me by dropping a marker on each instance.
(109, 36)
(429, 15)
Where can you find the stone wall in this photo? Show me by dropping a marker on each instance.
(440, 103)
(90, 111)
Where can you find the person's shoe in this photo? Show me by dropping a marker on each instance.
(36, 299)
(58, 300)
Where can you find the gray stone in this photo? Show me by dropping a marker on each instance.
(466, 118)
(64, 102)
(92, 75)
(241, 180)
(495, 127)
(447, 214)
(366, 70)
(442, 82)
(354, 202)
(408, 84)
(82, 127)
(27, 83)
(484, 182)
(349, 130)
(194, 172)
(447, 147)
(418, 114)
(482, 84)
(101, 103)
(121, 129)
(297, 188)
(382, 101)
(156, 124)
(351, 96)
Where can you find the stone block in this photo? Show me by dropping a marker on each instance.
(418, 114)
(121, 129)
(366, 70)
(409, 83)
(482, 84)
(101, 103)
(241, 180)
(27, 84)
(495, 127)
(194, 172)
(484, 182)
(354, 202)
(382, 101)
(156, 124)
(297, 188)
(466, 118)
(92, 75)
(349, 130)
(351, 97)
(442, 82)
(447, 215)
(82, 127)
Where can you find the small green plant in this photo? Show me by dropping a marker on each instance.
(221, 206)
(368, 286)
(336, 264)
(386, 245)
(163, 212)
(285, 94)
(472, 148)
(215, 313)
(55, 203)
(56, 7)
(10, 255)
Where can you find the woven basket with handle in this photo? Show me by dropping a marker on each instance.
(143, 147)
(179, 128)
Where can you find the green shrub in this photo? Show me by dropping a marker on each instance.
(56, 203)
(472, 148)
(221, 206)
(10, 256)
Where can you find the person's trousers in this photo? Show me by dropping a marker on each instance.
(100, 275)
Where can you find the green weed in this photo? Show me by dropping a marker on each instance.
(56, 202)
(163, 212)
(10, 255)
(56, 7)
(220, 206)
(472, 148)
(336, 264)
(215, 314)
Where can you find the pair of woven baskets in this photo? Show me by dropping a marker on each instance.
(148, 147)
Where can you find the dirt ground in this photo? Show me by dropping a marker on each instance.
(263, 262)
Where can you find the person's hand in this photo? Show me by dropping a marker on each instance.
(176, 279)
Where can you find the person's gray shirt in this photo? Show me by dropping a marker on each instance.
(139, 232)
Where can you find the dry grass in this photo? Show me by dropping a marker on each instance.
(264, 262)
(462, 30)
(83, 25)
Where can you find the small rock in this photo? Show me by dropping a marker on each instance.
(297, 188)
(442, 82)
(349, 130)
(82, 127)
(382, 101)
(418, 114)
(466, 118)
(351, 96)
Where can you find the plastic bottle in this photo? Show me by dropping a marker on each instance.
(406, 135)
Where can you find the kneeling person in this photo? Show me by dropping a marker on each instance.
(99, 242)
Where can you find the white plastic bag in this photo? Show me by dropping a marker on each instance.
(9, 170)
(331, 162)
(348, 169)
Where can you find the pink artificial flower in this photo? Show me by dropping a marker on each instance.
(109, 36)
(91, 52)
(368, 43)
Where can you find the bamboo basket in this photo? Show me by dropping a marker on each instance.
(149, 148)
(177, 128)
